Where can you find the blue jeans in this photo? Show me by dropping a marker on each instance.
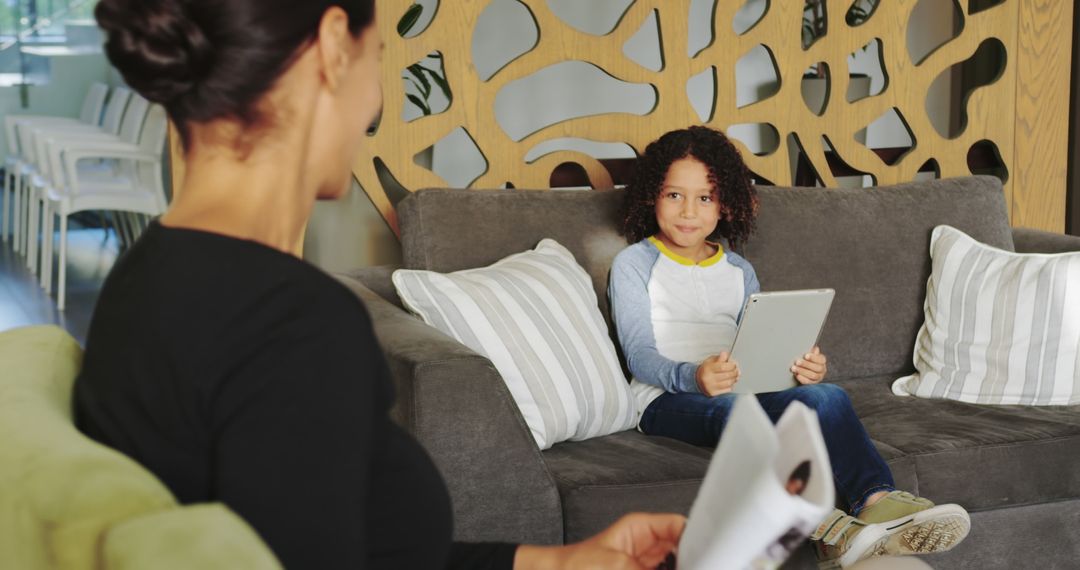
(858, 469)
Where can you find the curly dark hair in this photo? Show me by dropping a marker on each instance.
(728, 174)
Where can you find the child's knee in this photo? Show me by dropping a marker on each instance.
(822, 396)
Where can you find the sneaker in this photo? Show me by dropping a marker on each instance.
(915, 525)
(839, 541)
(897, 524)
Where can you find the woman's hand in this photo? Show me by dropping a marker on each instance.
(636, 541)
(811, 368)
(717, 375)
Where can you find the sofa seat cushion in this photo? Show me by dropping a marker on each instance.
(982, 457)
(604, 478)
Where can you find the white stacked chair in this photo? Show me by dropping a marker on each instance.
(139, 188)
(24, 165)
(89, 115)
(34, 143)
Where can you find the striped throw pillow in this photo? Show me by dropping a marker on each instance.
(1000, 328)
(535, 316)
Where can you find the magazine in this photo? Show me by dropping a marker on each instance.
(767, 488)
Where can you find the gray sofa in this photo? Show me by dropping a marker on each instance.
(1016, 469)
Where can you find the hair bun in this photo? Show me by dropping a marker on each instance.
(160, 50)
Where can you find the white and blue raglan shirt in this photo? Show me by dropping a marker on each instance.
(671, 313)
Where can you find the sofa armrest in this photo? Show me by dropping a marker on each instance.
(1028, 240)
(378, 279)
(456, 404)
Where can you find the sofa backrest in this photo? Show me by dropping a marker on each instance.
(449, 230)
(871, 245)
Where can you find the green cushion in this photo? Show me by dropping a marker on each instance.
(60, 492)
(207, 537)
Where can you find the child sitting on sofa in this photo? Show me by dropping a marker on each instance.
(677, 295)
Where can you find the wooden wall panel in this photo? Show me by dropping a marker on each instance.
(1072, 219)
(1023, 113)
(1044, 51)
(176, 161)
(1014, 112)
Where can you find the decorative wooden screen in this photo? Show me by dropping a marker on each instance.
(1018, 118)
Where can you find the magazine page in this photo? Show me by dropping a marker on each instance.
(766, 489)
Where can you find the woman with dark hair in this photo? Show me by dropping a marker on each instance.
(235, 371)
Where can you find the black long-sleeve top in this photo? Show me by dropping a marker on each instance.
(240, 374)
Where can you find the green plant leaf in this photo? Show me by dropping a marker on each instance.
(417, 71)
(409, 19)
(860, 12)
(419, 103)
(441, 81)
(856, 16)
(418, 87)
(807, 34)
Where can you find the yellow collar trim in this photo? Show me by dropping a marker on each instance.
(686, 260)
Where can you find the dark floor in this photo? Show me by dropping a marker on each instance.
(91, 253)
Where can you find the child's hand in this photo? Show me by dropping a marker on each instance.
(811, 368)
(717, 375)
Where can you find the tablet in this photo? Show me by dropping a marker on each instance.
(777, 328)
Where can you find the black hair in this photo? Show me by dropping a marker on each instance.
(728, 175)
(211, 59)
(801, 472)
